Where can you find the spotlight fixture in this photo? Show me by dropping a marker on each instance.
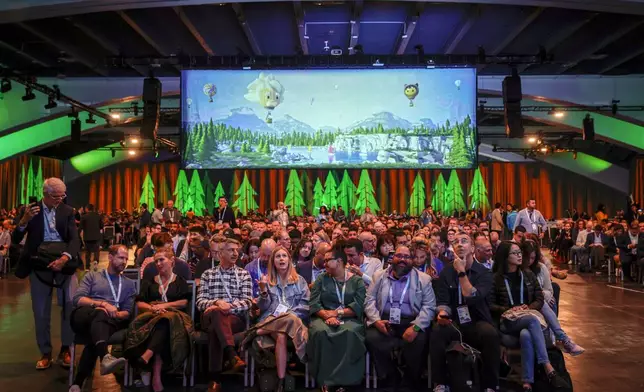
(613, 108)
(115, 116)
(29, 94)
(131, 152)
(574, 155)
(378, 63)
(51, 103)
(122, 143)
(558, 114)
(532, 140)
(135, 108)
(90, 119)
(134, 140)
(5, 85)
(544, 149)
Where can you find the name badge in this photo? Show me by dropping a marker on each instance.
(464, 314)
(394, 316)
(340, 308)
(281, 309)
(220, 221)
(534, 227)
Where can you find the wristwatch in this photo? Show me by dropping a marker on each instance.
(417, 328)
(340, 313)
(461, 274)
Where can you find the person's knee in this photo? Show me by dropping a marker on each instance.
(525, 337)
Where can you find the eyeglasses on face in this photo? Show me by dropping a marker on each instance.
(56, 197)
(515, 253)
(402, 256)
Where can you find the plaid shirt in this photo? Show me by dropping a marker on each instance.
(213, 287)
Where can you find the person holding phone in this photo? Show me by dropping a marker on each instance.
(461, 302)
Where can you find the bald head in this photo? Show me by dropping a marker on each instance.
(266, 248)
(321, 250)
(483, 249)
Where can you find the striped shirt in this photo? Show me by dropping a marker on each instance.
(232, 285)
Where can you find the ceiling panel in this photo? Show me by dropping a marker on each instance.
(274, 27)
(335, 26)
(219, 27)
(381, 26)
(435, 26)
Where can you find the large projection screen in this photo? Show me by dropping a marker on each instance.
(329, 118)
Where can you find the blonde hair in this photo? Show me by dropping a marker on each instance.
(167, 249)
(293, 277)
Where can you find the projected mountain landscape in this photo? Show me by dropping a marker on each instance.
(284, 127)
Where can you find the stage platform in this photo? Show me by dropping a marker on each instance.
(605, 318)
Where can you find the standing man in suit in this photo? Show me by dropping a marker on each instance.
(596, 244)
(91, 227)
(50, 227)
(171, 214)
(497, 219)
(631, 249)
(225, 214)
(146, 217)
(531, 219)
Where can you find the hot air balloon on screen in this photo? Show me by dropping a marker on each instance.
(210, 90)
(189, 102)
(457, 83)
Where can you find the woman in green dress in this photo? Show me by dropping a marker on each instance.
(336, 349)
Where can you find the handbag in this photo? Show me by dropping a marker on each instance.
(51, 251)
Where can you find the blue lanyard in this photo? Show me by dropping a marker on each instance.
(507, 287)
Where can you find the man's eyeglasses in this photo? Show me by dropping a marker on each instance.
(57, 197)
(462, 241)
(402, 256)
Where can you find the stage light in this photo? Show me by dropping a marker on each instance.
(29, 94)
(532, 140)
(131, 152)
(574, 155)
(134, 140)
(90, 119)
(544, 149)
(5, 85)
(378, 63)
(115, 116)
(51, 103)
(558, 114)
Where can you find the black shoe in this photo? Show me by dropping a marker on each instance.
(557, 382)
(280, 385)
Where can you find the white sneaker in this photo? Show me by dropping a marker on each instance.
(74, 388)
(441, 388)
(109, 364)
(146, 377)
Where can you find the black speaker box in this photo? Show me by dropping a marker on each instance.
(151, 108)
(76, 131)
(589, 128)
(512, 96)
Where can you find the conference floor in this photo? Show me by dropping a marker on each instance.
(604, 318)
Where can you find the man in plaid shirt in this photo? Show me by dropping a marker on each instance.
(224, 296)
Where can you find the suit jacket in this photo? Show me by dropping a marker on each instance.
(227, 217)
(624, 240)
(171, 215)
(421, 295)
(590, 239)
(35, 230)
(145, 219)
(497, 220)
(447, 292)
(90, 225)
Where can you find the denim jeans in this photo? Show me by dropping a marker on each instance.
(532, 342)
(553, 323)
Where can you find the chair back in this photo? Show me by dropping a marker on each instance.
(108, 232)
(192, 304)
(133, 273)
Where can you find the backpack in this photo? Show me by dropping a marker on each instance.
(463, 366)
(558, 362)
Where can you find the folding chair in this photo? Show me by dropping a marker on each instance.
(108, 234)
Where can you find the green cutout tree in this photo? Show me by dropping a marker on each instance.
(294, 194)
(181, 191)
(417, 198)
(307, 186)
(38, 181)
(209, 193)
(454, 196)
(347, 192)
(458, 156)
(219, 192)
(245, 197)
(439, 193)
(147, 192)
(478, 192)
(318, 197)
(21, 187)
(30, 179)
(195, 195)
(365, 194)
(330, 198)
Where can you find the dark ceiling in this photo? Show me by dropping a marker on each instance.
(79, 44)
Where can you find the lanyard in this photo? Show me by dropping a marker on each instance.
(507, 287)
(344, 287)
(222, 213)
(225, 284)
(402, 296)
(259, 270)
(164, 288)
(116, 297)
(423, 267)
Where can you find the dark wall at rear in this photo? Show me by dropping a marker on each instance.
(554, 189)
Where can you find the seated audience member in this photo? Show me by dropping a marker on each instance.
(102, 305)
(531, 254)
(284, 306)
(515, 301)
(399, 309)
(462, 291)
(483, 253)
(564, 242)
(494, 241)
(157, 239)
(251, 250)
(358, 263)
(196, 234)
(146, 248)
(631, 249)
(336, 350)
(422, 258)
(303, 252)
(161, 332)
(519, 234)
(579, 249)
(384, 248)
(312, 269)
(596, 244)
(224, 298)
(259, 267)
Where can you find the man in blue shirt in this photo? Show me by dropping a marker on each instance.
(259, 267)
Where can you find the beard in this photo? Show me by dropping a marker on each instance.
(402, 269)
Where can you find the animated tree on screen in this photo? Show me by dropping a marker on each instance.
(413, 118)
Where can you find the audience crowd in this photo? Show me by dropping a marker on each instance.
(324, 290)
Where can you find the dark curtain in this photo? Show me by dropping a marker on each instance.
(554, 189)
(637, 180)
(10, 173)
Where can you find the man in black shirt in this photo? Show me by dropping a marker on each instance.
(461, 302)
